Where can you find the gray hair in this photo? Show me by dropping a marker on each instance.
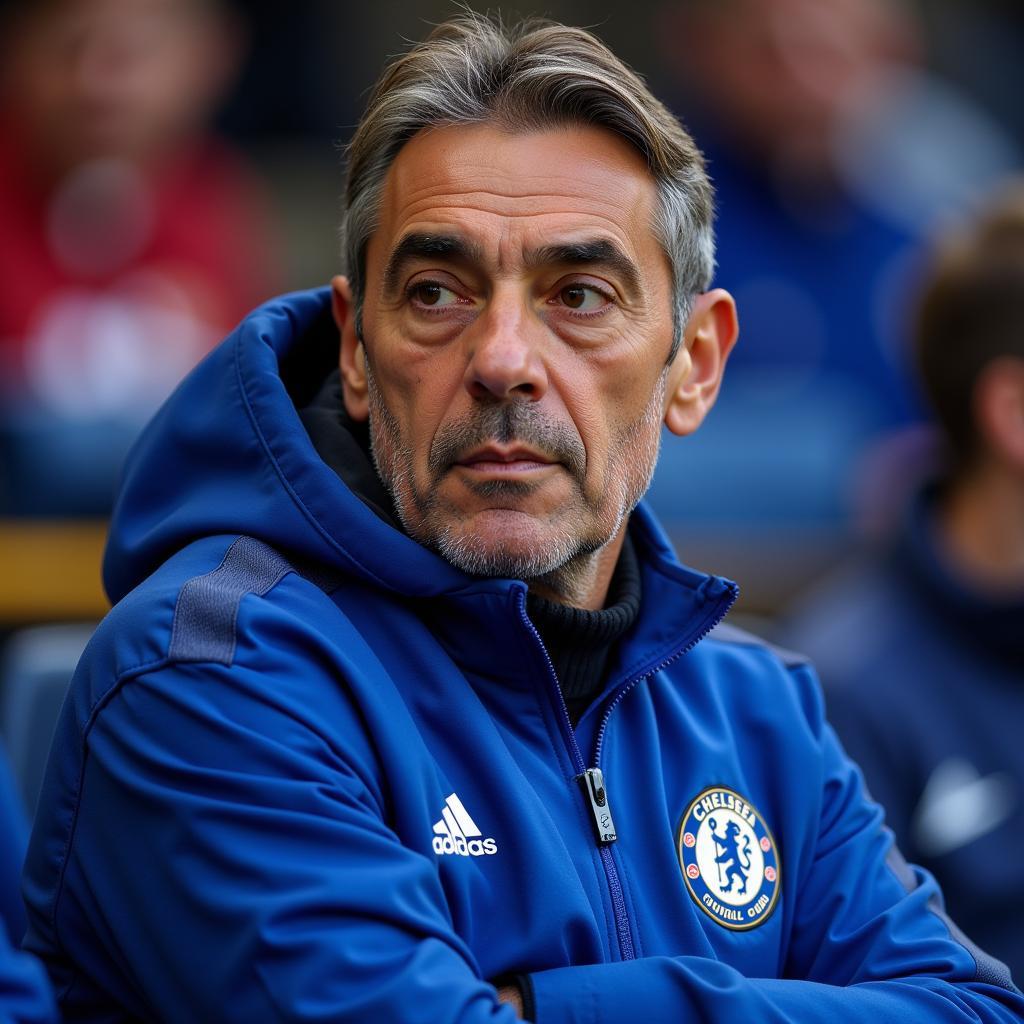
(535, 75)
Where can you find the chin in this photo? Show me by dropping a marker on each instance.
(511, 545)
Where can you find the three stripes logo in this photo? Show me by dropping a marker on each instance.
(456, 832)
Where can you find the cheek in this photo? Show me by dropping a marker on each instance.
(608, 402)
(421, 389)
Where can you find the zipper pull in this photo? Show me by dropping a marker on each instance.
(592, 784)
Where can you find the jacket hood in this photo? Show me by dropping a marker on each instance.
(228, 454)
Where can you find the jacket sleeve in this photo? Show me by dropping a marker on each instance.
(879, 747)
(869, 941)
(13, 841)
(25, 996)
(234, 864)
(25, 992)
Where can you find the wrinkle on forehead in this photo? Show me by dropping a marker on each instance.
(520, 192)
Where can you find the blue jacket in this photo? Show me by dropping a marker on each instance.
(13, 840)
(25, 996)
(309, 771)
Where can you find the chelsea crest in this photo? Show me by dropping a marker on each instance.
(729, 859)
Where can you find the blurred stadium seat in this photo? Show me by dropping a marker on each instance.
(34, 675)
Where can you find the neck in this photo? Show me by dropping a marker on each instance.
(982, 528)
(584, 581)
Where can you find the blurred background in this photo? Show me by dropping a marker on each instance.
(167, 164)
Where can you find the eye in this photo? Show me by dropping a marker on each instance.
(583, 298)
(433, 295)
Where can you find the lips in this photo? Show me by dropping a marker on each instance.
(502, 439)
(500, 459)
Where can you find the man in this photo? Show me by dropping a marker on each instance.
(411, 715)
(921, 647)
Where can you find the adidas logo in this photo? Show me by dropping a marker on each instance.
(457, 833)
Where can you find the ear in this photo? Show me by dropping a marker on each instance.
(999, 409)
(696, 372)
(353, 357)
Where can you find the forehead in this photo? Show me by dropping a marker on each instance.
(514, 191)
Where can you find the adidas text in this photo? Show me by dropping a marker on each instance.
(457, 833)
(464, 847)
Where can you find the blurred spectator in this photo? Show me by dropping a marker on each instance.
(922, 648)
(131, 237)
(831, 150)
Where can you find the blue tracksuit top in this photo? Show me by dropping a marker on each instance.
(309, 771)
(25, 996)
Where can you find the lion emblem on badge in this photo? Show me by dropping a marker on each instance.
(729, 859)
(733, 860)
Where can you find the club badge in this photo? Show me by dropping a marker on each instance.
(729, 859)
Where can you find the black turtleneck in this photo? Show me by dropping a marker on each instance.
(344, 445)
(579, 641)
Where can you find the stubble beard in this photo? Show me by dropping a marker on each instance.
(562, 561)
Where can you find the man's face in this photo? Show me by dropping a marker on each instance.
(517, 322)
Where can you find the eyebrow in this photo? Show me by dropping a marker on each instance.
(594, 252)
(591, 252)
(427, 246)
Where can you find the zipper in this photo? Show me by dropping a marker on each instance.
(625, 937)
(591, 780)
(592, 784)
(707, 624)
(614, 884)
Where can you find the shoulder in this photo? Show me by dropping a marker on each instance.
(224, 600)
(229, 647)
(732, 636)
(759, 679)
(207, 611)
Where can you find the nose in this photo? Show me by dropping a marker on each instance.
(506, 354)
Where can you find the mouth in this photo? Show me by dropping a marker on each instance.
(499, 460)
